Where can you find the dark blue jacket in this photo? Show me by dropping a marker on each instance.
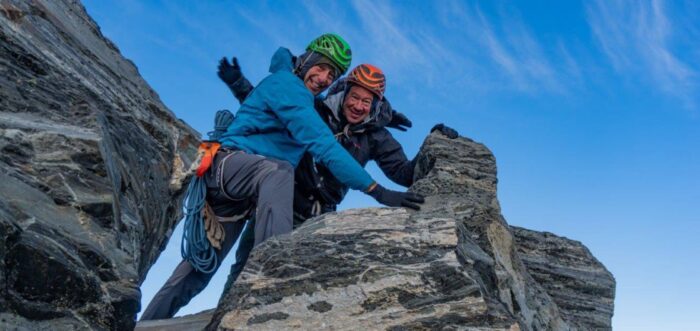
(369, 140)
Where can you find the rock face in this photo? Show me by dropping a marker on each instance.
(580, 285)
(454, 265)
(91, 166)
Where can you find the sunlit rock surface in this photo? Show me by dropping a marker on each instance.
(91, 169)
(454, 265)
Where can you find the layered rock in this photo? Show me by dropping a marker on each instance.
(455, 264)
(361, 270)
(580, 285)
(91, 166)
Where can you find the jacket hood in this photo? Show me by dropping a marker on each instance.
(282, 61)
(379, 115)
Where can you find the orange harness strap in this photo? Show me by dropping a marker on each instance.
(208, 150)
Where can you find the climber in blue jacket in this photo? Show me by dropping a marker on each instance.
(253, 173)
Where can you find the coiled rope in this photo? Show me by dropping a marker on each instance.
(222, 120)
(195, 246)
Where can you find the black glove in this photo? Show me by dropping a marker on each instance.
(396, 199)
(221, 122)
(399, 121)
(230, 74)
(446, 130)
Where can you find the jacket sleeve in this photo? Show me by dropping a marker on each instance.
(389, 155)
(241, 88)
(293, 105)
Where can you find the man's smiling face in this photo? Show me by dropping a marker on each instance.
(319, 77)
(357, 104)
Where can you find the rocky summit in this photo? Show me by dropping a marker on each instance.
(454, 265)
(91, 169)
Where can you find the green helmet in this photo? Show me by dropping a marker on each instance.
(333, 47)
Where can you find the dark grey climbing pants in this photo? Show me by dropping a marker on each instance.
(242, 178)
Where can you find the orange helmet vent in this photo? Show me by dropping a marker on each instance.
(369, 77)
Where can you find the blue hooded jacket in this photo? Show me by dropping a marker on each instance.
(278, 120)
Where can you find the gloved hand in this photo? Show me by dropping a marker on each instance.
(446, 130)
(230, 74)
(399, 121)
(222, 120)
(396, 199)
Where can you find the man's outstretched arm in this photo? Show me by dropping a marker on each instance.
(231, 74)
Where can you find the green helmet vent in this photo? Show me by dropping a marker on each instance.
(333, 47)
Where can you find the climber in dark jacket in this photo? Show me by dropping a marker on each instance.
(357, 113)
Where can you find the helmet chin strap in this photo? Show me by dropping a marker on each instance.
(302, 59)
(374, 108)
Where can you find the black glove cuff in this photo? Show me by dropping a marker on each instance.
(241, 88)
(376, 193)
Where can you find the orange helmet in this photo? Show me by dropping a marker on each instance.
(369, 77)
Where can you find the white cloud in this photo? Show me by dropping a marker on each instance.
(264, 21)
(325, 16)
(437, 45)
(508, 51)
(379, 24)
(378, 37)
(636, 38)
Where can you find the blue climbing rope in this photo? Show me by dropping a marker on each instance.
(222, 120)
(195, 246)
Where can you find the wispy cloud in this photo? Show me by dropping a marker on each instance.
(570, 64)
(383, 39)
(636, 36)
(324, 16)
(268, 23)
(379, 22)
(464, 46)
(508, 50)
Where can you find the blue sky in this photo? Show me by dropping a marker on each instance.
(592, 109)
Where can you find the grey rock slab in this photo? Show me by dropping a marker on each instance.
(184, 323)
(453, 265)
(92, 166)
(359, 269)
(460, 176)
(581, 286)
